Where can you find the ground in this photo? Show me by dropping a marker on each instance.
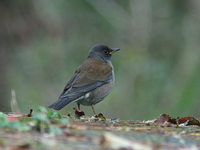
(98, 133)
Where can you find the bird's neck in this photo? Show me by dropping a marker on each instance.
(106, 60)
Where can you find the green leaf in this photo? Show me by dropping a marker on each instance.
(63, 121)
(51, 114)
(19, 126)
(2, 115)
(55, 130)
(40, 117)
(3, 120)
(42, 109)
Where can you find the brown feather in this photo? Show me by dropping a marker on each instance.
(92, 70)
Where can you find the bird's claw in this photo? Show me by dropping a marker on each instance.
(78, 113)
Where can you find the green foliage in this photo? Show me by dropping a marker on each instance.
(18, 125)
(42, 120)
(53, 114)
(3, 120)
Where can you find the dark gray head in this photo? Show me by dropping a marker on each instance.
(102, 52)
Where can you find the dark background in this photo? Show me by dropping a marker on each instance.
(157, 71)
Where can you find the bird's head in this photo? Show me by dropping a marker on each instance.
(102, 52)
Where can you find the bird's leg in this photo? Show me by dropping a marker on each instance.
(79, 108)
(93, 109)
(78, 112)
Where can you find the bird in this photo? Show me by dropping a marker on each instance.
(91, 82)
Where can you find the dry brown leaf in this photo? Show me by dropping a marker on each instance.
(19, 147)
(188, 121)
(162, 118)
(100, 116)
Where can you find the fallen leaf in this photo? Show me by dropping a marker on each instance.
(101, 117)
(188, 121)
(184, 121)
(18, 116)
(13, 118)
(162, 118)
(19, 147)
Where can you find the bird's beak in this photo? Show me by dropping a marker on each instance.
(113, 50)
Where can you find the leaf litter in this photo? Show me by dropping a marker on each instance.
(48, 129)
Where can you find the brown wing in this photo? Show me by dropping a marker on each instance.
(90, 71)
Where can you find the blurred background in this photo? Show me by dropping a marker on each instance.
(157, 70)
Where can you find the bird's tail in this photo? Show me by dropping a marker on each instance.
(60, 103)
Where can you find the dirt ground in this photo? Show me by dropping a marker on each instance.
(91, 134)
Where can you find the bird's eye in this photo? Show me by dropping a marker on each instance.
(106, 51)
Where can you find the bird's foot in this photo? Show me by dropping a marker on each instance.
(78, 113)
